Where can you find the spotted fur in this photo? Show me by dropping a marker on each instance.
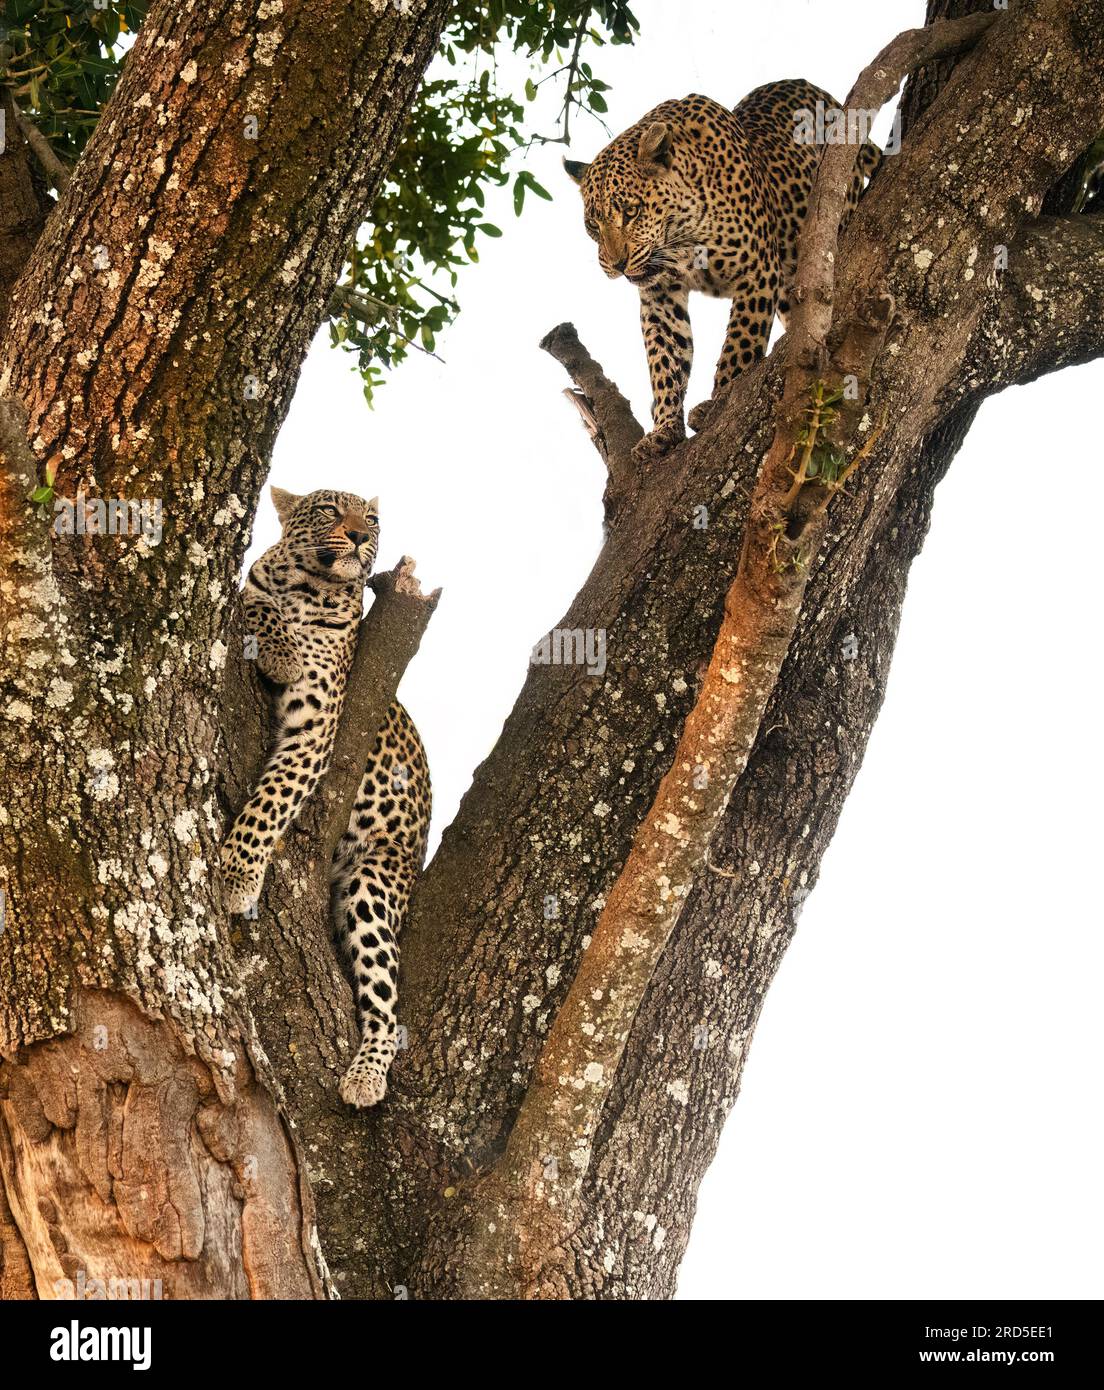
(302, 602)
(695, 196)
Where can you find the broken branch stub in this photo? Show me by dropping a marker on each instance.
(606, 414)
(389, 637)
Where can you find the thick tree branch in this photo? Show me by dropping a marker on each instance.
(684, 1059)
(151, 347)
(535, 1209)
(1049, 313)
(879, 80)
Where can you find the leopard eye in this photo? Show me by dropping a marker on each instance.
(591, 227)
(330, 510)
(631, 211)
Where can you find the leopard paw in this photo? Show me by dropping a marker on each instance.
(660, 441)
(703, 414)
(363, 1085)
(282, 667)
(243, 882)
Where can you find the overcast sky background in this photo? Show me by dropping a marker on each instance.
(920, 1113)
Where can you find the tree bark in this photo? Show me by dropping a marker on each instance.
(151, 348)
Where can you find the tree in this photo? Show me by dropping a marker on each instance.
(170, 1078)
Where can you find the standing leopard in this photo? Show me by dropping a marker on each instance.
(695, 196)
(302, 604)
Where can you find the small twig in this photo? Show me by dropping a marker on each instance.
(572, 70)
(716, 869)
(360, 305)
(581, 401)
(368, 310)
(53, 167)
(571, 67)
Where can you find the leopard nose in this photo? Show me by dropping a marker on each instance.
(358, 537)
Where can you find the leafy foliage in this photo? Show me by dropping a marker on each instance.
(465, 135)
(62, 61)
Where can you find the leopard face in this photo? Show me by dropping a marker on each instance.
(329, 537)
(642, 203)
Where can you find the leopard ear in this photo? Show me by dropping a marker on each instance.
(654, 150)
(576, 169)
(373, 507)
(284, 502)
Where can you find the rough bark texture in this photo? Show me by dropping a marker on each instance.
(126, 1157)
(111, 721)
(151, 348)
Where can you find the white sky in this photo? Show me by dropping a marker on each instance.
(920, 1114)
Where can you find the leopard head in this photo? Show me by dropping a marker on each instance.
(330, 537)
(642, 203)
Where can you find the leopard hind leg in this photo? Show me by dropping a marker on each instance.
(370, 890)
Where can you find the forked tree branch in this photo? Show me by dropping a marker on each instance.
(524, 1212)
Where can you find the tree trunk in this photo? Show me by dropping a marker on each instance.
(165, 1076)
(151, 349)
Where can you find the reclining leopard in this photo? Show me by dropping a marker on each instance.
(695, 196)
(302, 602)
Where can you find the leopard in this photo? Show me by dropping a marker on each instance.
(302, 603)
(700, 197)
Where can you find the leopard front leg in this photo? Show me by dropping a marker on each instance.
(749, 329)
(298, 763)
(669, 346)
(275, 648)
